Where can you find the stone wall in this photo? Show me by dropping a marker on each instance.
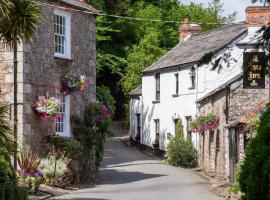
(242, 101)
(212, 151)
(39, 72)
(43, 71)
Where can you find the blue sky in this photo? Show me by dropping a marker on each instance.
(230, 6)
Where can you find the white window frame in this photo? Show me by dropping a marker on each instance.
(65, 118)
(67, 41)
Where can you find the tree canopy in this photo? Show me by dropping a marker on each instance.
(125, 47)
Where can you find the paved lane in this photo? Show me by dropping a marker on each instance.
(128, 174)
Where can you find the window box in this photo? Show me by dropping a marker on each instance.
(157, 101)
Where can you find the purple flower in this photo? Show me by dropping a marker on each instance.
(37, 174)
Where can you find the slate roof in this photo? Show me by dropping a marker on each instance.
(81, 5)
(192, 50)
(137, 91)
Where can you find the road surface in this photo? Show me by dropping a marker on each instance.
(128, 174)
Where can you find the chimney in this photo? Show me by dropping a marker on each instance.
(187, 30)
(257, 16)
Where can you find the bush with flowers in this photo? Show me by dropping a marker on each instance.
(90, 131)
(73, 83)
(29, 172)
(48, 108)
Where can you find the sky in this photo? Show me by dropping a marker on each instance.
(229, 6)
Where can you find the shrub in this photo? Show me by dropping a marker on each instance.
(7, 145)
(47, 167)
(62, 146)
(91, 131)
(12, 192)
(7, 173)
(180, 152)
(29, 173)
(104, 96)
(254, 177)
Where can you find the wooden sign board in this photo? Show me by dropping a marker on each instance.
(254, 70)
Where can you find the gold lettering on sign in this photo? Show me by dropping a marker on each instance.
(255, 71)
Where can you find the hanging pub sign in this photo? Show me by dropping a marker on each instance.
(254, 70)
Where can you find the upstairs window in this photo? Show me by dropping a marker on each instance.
(61, 34)
(176, 83)
(157, 86)
(192, 74)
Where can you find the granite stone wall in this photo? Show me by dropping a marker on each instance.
(214, 145)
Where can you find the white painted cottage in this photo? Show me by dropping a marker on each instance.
(171, 85)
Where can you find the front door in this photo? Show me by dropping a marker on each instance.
(138, 134)
(233, 151)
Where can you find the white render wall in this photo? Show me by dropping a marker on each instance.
(170, 107)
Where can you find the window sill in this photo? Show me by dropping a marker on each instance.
(156, 101)
(63, 58)
(175, 95)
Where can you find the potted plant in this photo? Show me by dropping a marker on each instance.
(48, 108)
(73, 83)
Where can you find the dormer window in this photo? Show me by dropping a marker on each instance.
(192, 74)
(61, 34)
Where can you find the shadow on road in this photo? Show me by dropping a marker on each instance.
(111, 176)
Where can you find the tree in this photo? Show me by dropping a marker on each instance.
(18, 25)
(125, 47)
(254, 176)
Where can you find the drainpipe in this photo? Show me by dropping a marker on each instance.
(197, 90)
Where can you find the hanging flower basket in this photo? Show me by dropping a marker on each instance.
(48, 108)
(74, 83)
(203, 123)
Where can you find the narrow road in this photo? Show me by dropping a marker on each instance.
(128, 174)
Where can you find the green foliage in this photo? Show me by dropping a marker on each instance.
(254, 178)
(91, 130)
(47, 167)
(204, 119)
(21, 21)
(32, 184)
(104, 96)
(7, 145)
(235, 186)
(12, 192)
(62, 146)
(126, 47)
(181, 152)
(6, 133)
(7, 172)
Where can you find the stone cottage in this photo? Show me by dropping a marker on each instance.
(223, 148)
(64, 44)
(234, 103)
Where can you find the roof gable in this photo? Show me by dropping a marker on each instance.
(193, 50)
(80, 4)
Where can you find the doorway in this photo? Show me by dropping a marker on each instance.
(233, 151)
